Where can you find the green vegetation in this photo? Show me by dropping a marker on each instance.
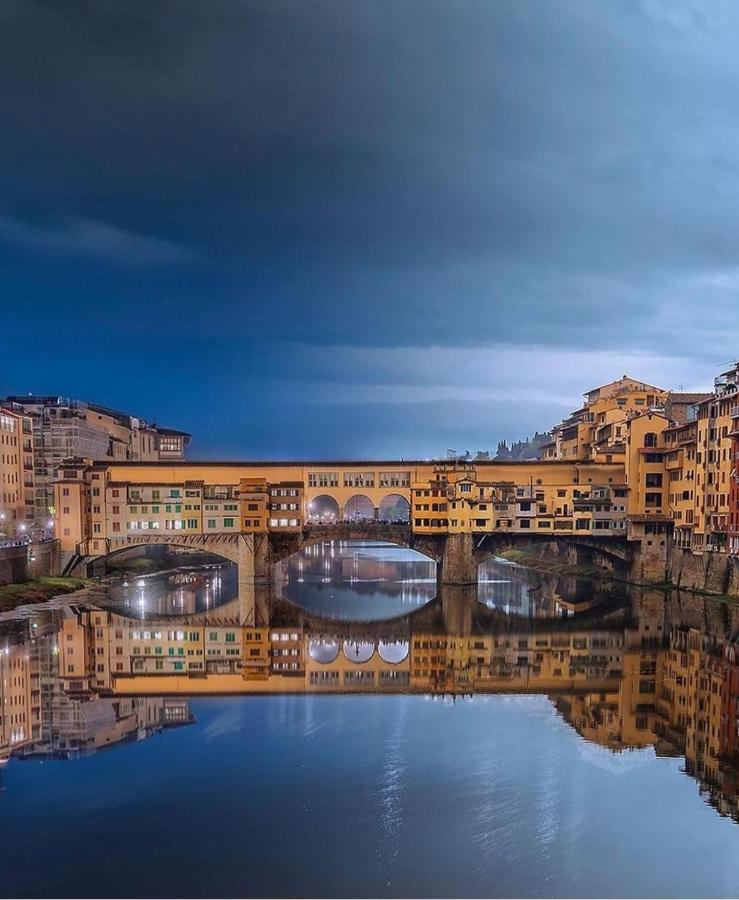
(37, 591)
(554, 567)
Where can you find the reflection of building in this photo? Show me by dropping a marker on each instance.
(17, 692)
(54, 692)
(81, 679)
(528, 661)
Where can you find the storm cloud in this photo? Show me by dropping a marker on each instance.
(396, 225)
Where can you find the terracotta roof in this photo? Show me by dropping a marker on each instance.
(688, 399)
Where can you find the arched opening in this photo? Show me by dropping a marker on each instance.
(323, 510)
(394, 508)
(547, 578)
(359, 580)
(359, 651)
(359, 509)
(152, 580)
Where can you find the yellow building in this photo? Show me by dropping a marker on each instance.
(597, 430)
(681, 444)
(100, 506)
(16, 473)
(714, 463)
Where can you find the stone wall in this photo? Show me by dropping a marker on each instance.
(29, 561)
(458, 565)
(13, 564)
(712, 571)
(44, 560)
(651, 561)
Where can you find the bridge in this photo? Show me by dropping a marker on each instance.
(457, 513)
(457, 556)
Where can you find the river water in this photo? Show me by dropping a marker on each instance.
(616, 780)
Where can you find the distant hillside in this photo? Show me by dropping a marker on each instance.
(526, 449)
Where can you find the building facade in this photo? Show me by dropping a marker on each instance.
(57, 428)
(16, 473)
(99, 506)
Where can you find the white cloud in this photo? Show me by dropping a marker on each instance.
(91, 238)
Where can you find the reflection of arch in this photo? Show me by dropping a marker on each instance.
(358, 651)
(393, 652)
(395, 508)
(323, 510)
(359, 509)
(323, 651)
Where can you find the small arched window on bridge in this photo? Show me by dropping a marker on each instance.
(650, 439)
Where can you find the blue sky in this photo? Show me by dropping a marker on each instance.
(366, 228)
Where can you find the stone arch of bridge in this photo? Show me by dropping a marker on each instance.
(219, 546)
(612, 549)
(396, 533)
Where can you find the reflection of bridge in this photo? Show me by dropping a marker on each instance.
(457, 556)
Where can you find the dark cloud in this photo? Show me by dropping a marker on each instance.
(411, 174)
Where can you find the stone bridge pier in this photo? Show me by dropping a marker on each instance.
(457, 564)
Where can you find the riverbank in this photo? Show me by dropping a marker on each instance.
(532, 560)
(37, 591)
(591, 572)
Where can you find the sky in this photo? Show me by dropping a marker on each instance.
(386, 228)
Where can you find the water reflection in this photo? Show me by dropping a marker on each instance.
(180, 591)
(635, 677)
(360, 580)
(518, 591)
(639, 672)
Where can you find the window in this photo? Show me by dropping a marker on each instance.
(228, 523)
(359, 479)
(323, 479)
(395, 479)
